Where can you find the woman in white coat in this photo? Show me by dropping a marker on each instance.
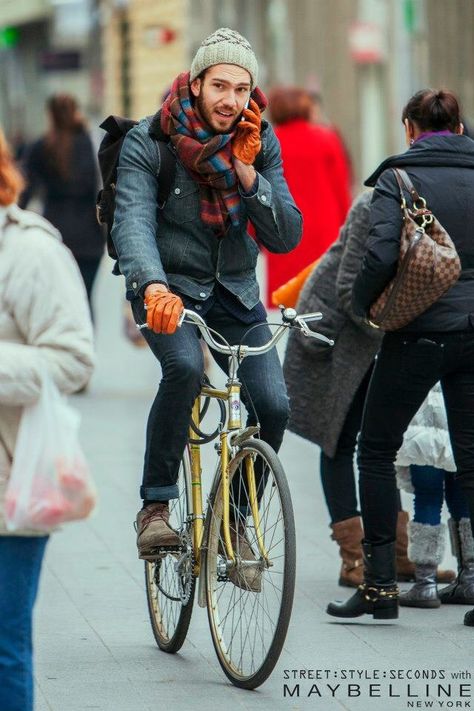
(44, 323)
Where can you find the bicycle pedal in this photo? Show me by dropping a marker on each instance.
(168, 549)
(155, 554)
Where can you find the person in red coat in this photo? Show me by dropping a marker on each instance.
(318, 175)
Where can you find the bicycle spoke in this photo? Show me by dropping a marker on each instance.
(245, 620)
(165, 586)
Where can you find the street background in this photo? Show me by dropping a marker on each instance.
(364, 57)
(94, 645)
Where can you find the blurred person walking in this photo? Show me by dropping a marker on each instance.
(318, 177)
(44, 323)
(436, 346)
(327, 389)
(61, 169)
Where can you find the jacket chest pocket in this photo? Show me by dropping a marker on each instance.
(183, 202)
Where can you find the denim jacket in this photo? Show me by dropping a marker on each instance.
(173, 246)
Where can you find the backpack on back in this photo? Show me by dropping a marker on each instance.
(116, 128)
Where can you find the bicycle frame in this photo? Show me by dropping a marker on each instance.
(232, 434)
(233, 426)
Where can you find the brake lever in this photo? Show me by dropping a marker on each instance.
(306, 331)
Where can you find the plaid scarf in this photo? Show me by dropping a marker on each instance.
(206, 155)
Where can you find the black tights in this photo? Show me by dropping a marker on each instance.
(337, 473)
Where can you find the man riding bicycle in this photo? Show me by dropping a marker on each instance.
(195, 252)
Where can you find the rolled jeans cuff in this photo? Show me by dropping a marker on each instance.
(159, 493)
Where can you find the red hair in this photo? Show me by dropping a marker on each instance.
(11, 180)
(289, 103)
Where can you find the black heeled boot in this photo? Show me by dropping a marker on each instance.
(378, 595)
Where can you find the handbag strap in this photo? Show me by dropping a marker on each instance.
(404, 182)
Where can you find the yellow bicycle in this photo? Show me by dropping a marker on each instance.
(240, 553)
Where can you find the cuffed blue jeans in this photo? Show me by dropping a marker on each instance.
(182, 364)
(20, 566)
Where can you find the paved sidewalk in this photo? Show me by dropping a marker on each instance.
(94, 646)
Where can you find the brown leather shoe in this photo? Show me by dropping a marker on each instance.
(154, 531)
(245, 578)
(348, 535)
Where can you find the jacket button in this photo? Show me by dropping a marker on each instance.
(197, 307)
(177, 191)
(202, 294)
(134, 285)
(264, 198)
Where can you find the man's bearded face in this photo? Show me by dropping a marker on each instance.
(221, 96)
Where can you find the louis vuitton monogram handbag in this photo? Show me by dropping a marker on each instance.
(428, 265)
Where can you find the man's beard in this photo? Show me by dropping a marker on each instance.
(206, 116)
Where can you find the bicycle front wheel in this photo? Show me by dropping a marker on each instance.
(249, 601)
(170, 583)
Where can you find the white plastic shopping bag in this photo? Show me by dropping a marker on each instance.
(50, 481)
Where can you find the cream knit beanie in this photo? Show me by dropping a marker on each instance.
(225, 46)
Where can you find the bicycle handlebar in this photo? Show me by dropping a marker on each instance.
(290, 319)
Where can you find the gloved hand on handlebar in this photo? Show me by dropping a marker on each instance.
(163, 310)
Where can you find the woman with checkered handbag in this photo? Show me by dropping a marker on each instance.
(437, 345)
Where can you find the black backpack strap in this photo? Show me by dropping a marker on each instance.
(168, 159)
(167, 172)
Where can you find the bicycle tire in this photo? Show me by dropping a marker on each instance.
(169, 617)
(255, 673)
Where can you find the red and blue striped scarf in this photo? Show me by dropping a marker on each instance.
(207, 156)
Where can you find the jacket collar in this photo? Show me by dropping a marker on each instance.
(450, 151)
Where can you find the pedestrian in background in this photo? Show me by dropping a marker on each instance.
(436, 346)
(44, 323)
(61, 169)
(318, 176)
(327, 389)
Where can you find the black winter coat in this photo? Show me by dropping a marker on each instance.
(442, 171)
(68, 204)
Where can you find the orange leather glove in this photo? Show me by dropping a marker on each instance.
(246, 143)
(163, 310)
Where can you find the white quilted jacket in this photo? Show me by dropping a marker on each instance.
(426, 441)
(44, 320)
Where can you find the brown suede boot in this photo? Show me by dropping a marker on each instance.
(405, 568)
(154, 532)
(348, 535)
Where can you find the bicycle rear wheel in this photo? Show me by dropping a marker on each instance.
(170, 583)
(248, 627)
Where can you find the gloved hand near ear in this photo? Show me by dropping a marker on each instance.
(246, 143)
(163, 309)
